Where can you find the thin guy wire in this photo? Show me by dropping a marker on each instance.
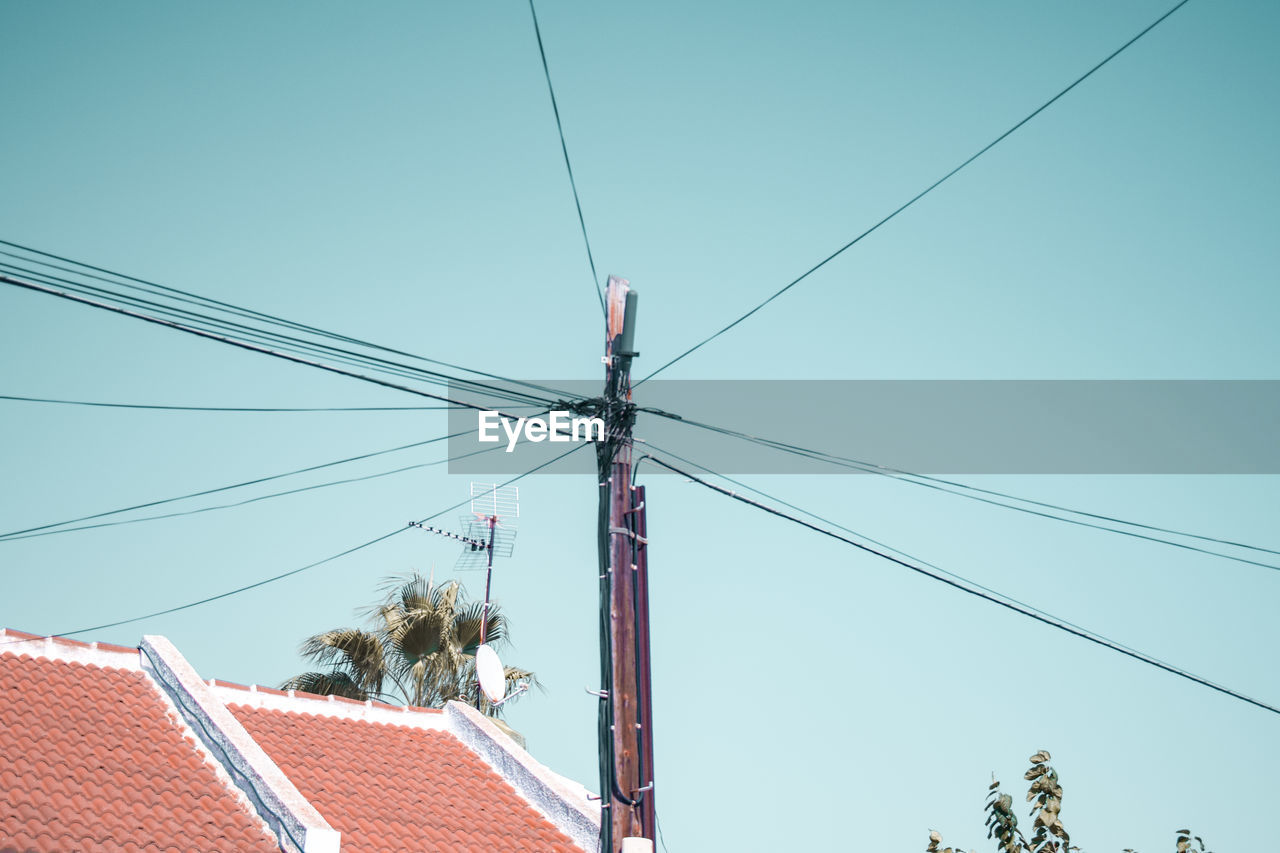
(919, 195)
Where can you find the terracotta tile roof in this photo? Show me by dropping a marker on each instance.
(391, 787)
(91, 761)
(95, 756)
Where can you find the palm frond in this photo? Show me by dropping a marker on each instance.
(417, 633)
(447, 597)
(467, 626)
(359, 652)
(405, 593)
(423, 641)
(333, 683)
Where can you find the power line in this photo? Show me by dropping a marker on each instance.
(13, 534)
(231, 408)
(941, 485)
(232, 592)
(307, 567)
(861, 536)
(233, 342)
(979, 593)
(124, 280)
(204, 509)
(595, 277)
(282, 342)
(1084, 513)
(920, 194)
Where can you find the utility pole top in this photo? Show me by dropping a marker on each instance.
(622, 302)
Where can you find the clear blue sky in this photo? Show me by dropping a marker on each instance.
(392, 171)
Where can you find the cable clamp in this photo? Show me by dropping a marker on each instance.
(603, 694)
(623, 531)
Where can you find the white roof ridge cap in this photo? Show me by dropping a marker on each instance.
(298, 825)
(299, 702)
(560, 800)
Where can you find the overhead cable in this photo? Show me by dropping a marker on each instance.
(258, 498)
(300, 570)
(862, 536)
(125, 279)
(564, 148)
(961, 490)
(12, 534)
(5, 279)
(918, 195)
(261, 409)
(979, 593)
(279, 341)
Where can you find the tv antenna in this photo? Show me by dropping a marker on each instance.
(489, 531)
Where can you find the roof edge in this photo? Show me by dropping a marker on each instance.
(295, 822)
(298, 702)
(559, 800)
(64, 649)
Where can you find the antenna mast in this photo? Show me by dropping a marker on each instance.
(489, 533)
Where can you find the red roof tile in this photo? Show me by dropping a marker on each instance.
(91, 761)
(389, 787)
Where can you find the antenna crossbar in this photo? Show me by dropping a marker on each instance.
(476, 544)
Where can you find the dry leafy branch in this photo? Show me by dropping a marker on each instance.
(935, 838)
(1184, 845)
(1045, 794)
(1002, 823)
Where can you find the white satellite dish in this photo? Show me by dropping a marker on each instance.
(493, 678)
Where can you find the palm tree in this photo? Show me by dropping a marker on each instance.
(420, 651)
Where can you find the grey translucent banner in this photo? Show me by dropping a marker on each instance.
(921, 426)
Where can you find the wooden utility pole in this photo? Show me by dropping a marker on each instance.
(626, 749)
